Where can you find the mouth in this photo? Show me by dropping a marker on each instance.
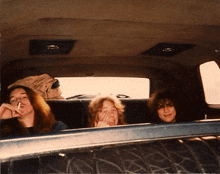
(22, 106)
(112, 123)
(168, 115)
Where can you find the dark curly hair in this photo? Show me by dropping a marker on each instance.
(163, 95)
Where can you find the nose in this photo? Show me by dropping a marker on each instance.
(110, 113)
(17, 100)
(166, 108)
(111, 116)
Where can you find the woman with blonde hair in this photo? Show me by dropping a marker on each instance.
(106, 111)
(26, 112)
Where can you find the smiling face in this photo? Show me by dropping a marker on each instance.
(166, 111)
(108, 113)
(20, 95)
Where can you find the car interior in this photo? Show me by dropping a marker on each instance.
(164, 41)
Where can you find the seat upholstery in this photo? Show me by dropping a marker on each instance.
(74, 113)
(70, 112)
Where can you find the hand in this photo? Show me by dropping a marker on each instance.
(8, 111)
(103, 122)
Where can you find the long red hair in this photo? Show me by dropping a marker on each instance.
(43, 118)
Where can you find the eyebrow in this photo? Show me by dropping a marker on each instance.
(20, 93)
(104, 107)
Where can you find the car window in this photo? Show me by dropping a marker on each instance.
(210, 74)
(124, 87)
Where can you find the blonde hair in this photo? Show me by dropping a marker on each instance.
(96, 104)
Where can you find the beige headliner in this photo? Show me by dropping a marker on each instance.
(112, 30)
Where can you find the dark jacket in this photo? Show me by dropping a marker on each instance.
(12, 128)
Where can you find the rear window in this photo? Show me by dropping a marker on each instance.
(137, 88)
(210, 74)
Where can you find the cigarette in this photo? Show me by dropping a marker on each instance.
(19, 105)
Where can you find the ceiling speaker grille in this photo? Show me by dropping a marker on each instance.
(167, 49)
(37, 47)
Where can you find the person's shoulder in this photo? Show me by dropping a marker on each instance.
(9, 127)
(59, 125)
(9, 122)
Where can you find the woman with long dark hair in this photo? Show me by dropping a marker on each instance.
(26, 112)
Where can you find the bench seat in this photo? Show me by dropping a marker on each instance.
(74, 113)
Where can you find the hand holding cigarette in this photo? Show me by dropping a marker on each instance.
(8, 111)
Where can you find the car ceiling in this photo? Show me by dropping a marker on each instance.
(109, 32)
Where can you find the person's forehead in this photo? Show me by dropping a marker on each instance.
(166, 100)
(17, 91)
(107, 103)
